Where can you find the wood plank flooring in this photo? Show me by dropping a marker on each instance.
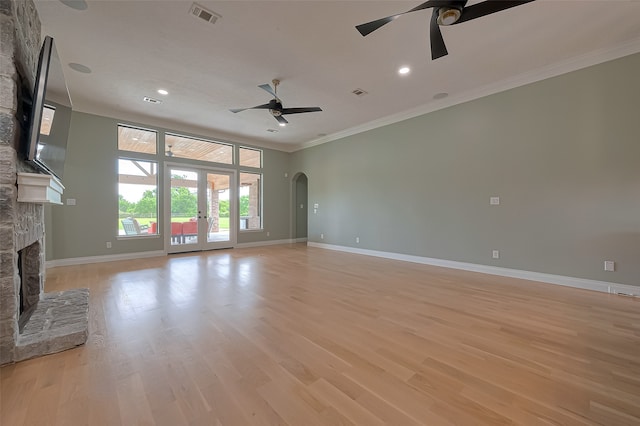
(291, 335)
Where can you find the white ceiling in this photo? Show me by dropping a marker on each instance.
(137, 47)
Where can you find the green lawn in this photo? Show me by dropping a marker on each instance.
(224, 221)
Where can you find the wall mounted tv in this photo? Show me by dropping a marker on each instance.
(50, 116)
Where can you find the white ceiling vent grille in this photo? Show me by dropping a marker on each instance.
(204, 14)
(359, 92)
(151, 100)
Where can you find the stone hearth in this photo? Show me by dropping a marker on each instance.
(59, 322)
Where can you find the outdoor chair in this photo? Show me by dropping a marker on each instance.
(189, 229)
(176, 232)
(132, 227)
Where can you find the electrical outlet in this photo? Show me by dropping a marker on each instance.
(496, 254)
(268, 233)
(71, 201)
(357, 240)
(108, 244)
(609, 265)
(494, 201)
(322, 236)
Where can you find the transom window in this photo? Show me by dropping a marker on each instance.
(198, 149)
(250, 157)
(137, 140)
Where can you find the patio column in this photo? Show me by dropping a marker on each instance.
(254, 218)
(214, 208)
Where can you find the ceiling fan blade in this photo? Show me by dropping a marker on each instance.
(263, 106)
(268, 88)
(479, 10)
(280, 119)
(369, 27)
(438, 48)
(300, 110)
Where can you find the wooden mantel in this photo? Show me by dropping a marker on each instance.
(39, 188)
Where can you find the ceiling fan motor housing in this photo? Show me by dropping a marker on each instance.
(275, 107)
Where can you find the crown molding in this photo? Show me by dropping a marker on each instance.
(563, 67)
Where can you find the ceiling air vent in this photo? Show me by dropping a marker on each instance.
(359, 92)
(204, 14)
(151, 100)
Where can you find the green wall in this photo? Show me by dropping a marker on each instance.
(90, 176)
(562, 154)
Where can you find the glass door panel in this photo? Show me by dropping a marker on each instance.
(184, 208)
(218, 208)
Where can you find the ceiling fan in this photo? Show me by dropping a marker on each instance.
(275, 105)
(445, 12)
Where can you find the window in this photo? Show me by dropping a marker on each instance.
(137, 140)
(198, 149)
(250, 157)
(138, 197)
(250, 201)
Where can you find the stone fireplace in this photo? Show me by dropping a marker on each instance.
(29, 261)
(32, 322)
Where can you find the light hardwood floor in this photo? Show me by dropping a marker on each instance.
(303, 336)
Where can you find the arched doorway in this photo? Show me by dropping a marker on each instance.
(300, 213)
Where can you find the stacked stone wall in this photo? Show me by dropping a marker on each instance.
(21, 224)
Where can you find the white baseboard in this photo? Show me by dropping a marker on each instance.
(582, 283)
(266, 243)
(156, 253)
(101, 259)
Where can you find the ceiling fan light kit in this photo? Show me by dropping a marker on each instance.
(448, 16)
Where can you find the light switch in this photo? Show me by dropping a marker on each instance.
(71, 201)
(494, 201)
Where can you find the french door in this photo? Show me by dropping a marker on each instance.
(200, 207)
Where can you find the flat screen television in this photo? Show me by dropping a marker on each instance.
(50, 115)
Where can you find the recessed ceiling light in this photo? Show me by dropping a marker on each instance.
(404, 70)
(163, 92)
(440, 95)
(282, 124)
(80, 68)
(135, 139)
